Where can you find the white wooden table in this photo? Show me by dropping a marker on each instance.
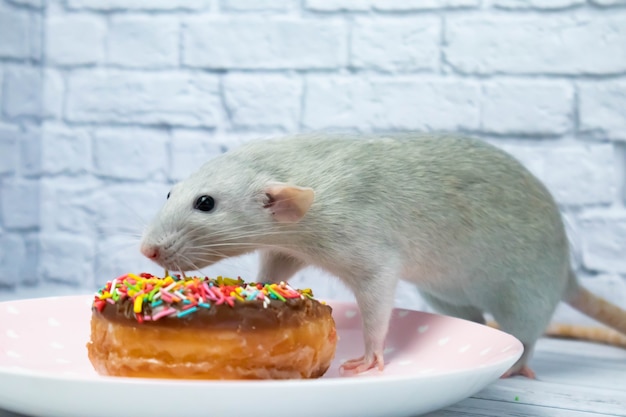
(574, 379)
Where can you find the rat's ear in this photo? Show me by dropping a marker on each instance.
(288, 203)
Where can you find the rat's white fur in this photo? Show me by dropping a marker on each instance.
(461, 219)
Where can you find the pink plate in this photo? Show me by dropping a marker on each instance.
(432, 361)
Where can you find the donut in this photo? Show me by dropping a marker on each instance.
(204, 328)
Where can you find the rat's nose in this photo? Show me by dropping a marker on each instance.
(151, 252)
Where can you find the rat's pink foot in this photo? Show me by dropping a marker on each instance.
(359, 365)
(524, 371)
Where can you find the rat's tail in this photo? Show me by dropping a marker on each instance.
(588, 333)
(597, 308)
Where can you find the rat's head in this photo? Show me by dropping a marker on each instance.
(219, 212)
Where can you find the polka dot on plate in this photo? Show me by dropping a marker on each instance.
(388, 350)
(12, 310)
(403, 313)
(11, 334)
(485, 351)
(405, 362)
(465, 348)
(61, 360)
(350, 313)
(53, 322)
(12, 354)
(56, 345)
(443, 341)
(506, 349)
(422, 329)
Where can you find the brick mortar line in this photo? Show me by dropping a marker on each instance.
(620, 164)
(338, 71)
(471, 11)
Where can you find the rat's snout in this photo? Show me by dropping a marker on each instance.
(150, 251)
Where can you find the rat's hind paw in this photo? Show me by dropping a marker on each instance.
(523, 371)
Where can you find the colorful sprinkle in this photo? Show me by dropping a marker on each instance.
(138, 303)
(153, 298)
(185, 312)
(163, 313)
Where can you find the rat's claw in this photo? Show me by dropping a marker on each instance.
(523, 371)
(360, 365)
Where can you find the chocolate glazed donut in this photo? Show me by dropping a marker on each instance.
(199, 328)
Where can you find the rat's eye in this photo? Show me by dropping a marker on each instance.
(204, 203)
(168, 195)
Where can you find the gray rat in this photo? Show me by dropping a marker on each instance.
(464, 221)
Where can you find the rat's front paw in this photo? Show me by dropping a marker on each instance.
(362, 364)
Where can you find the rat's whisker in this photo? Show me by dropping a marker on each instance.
(236, 237)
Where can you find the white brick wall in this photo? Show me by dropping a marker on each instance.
(76, 39)
(505, 109)
(262, 101)
(143, 41)
(22, 91)
(20, 33)
(105, 103)
(573, 43)
(178, 98)
(258, 43)
(138, 5)
(407, 44)
(604, 242)
(364, 103)
(602, 108)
